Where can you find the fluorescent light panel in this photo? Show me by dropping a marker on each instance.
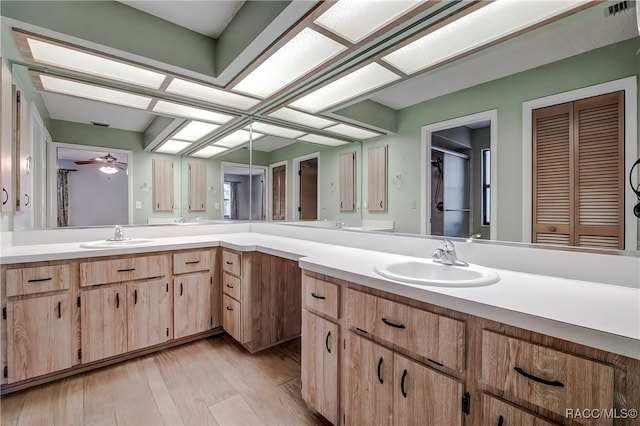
(208, 151)
(270, 129)
(352, 131)
(489, 23)
(96, 93)
(210, 94)
(351, 85)
(170, 108)
(76, 60)
(173, 146)
(322, 140)
(237, 138)
(303, 118)
(304, 52)
(356, 19)
(195, 130)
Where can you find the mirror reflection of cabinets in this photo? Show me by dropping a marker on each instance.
(163, 185)
(197, 187)
(348, 181)
(377, 179)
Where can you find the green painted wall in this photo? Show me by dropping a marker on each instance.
(506, 95)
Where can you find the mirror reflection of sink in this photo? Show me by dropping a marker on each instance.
(128, 242)
(430, 273)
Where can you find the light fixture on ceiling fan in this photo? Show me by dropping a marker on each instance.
(111, 164)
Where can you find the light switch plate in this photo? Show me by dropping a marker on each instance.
(138, 205)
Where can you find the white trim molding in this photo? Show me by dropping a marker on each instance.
(630, 87)
(425, 184)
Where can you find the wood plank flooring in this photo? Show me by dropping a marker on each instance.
(209, 382)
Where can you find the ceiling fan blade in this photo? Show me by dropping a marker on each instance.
(120, 167)
(89, 162)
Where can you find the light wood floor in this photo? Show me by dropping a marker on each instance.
(208, 382)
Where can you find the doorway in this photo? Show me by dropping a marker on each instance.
(457, 177)
(307, 186)
(243, 192)
(278, 191)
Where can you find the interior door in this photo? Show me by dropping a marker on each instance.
(278, 192)
(308, 208)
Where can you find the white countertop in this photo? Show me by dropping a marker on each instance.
(598, 315)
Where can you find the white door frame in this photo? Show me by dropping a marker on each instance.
(296, 184)
(270, 189)
(425, 177)
(630, 87)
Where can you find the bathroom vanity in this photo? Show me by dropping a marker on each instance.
(374, 350)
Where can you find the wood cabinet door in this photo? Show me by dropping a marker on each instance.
(197, 187)
(231, 317)
(377, 179)
(320, 348)
(497, 412)
(368, 372)
(149, 314)
(191, 304)
(104, 323)
(163, 185)
(423, 396)
(347, 181)
(39, 337)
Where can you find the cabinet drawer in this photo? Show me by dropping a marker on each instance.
(497, 412)
(438, 338)
(37, 280)
(231, 317)
(192, 261)
(120, 270)
(320, 296)
(231, 285)
(231, 262)
(545, 377)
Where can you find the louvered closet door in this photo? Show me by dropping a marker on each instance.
(600, 171)
(552, 175)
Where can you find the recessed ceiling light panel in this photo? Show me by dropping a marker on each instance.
(179, 110)
(237, 138)
(195, 130)
(354, 20)
(173, 146)
(208, 151)
(297, 57)
(96, 93)
(76, 60)
(351, 85)
(270, 129)
(210, 94)
(483, 26)
(352, 131)
(303, 118)
(322, 140)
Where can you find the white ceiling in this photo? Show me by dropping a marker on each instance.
(209, 18)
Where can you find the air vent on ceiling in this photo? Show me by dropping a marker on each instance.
(616, 8)
(95, 123)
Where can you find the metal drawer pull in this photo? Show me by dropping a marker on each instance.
(5, 196)
(228, 263)
(384, 320)
(117, 300)
(39, 280)
(402, 389)
(379, 372)
(229, 308)
(317, 296)
(181, 289)
(326, 342)
(135, 296)
(538, 379)
(192, 262)
(229, 286)
(500, 421)
(59, 309)
(126, 270)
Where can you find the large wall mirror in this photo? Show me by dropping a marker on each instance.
(446, 150)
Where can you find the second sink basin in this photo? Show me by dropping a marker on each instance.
(430, 273)
(129, 242)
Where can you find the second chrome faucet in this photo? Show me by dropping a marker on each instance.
(447, 254)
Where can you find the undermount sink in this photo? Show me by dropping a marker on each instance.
(127, 242)
(430, 273)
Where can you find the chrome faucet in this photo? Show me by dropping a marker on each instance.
(339, 223)
(447, 254)
(118, 234)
